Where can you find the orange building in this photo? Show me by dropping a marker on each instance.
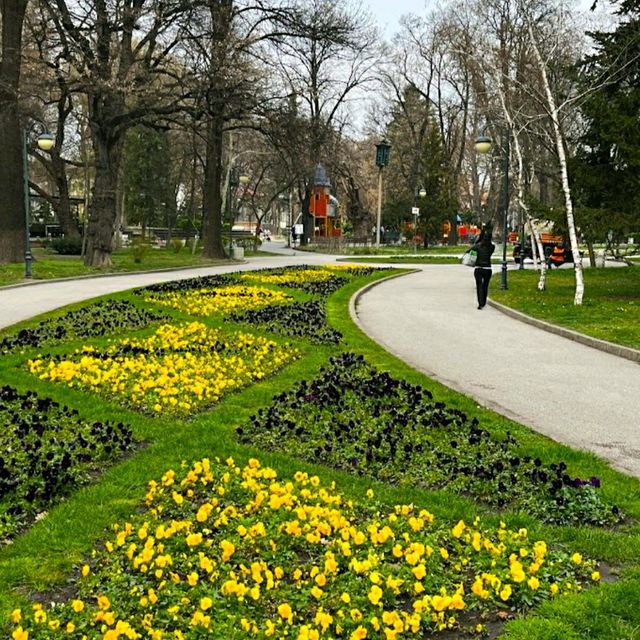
(323, 206)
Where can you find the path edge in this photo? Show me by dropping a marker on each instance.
(596, 343)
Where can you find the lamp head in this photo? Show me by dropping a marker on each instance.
(483, 144)
(382, 153)
(46, 142)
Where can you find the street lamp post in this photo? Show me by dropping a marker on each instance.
(483, 145)
(236, 178)
(290, 220)
(45, 142)
(419, 193)
(382, 159)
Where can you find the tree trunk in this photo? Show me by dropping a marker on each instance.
(564, 174)
(12, 214)
(212, 223)
(592, 253)
(68, 222)
(102, 210)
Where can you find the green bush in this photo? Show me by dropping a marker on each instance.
(138, 249)
(67, 246)
(248, 242)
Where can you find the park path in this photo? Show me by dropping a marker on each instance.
(572, 393)
(23, 302)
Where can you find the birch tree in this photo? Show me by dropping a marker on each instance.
(559, 139)
(508, 79)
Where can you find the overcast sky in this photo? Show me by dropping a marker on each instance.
(388, 12)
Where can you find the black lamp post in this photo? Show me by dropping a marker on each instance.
(382, 159)
(419, 193)
(483, 145)
(45, 142)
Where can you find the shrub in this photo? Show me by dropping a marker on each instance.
(67, 246)
(138, 249)
(177, 244)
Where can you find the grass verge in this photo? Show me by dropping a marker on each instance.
(610, 309)
(49, 266)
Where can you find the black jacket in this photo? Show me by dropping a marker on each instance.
(484, 252)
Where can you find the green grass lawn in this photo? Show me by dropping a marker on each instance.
(610, 309)
(48, 266)
(404, 259)
(44, 562)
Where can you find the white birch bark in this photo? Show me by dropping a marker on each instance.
(562, 158)
(535, 236)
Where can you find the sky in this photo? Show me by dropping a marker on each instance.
(387, 13)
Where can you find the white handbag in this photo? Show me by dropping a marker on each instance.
(469, 258)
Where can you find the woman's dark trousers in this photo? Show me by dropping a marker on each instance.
(482, 277)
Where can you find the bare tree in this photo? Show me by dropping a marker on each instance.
(122, 58)
(47, 97)
(328, 55)
(553, 111)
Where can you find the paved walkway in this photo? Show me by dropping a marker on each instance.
(570, 392)
(21, 303)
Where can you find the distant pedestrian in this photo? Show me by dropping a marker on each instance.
(482, 272)
(293, 234)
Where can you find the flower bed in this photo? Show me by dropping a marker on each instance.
(207, 301)
(201, 282)
(356, 418)
(98, 319)
(298, 320)
(46, 451)
(317, 281)
(177, 370)
(230, 552)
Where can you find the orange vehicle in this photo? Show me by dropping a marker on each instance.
(555, 252)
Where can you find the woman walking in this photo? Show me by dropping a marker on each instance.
(482, 272)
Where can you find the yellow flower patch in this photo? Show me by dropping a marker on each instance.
(177, 370)
(295, 275)
(293, 558)
(208, 301)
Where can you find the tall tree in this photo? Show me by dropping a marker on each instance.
(329, 52)
(148, 178)
(607, 167)
(12, 214)
(122, 58)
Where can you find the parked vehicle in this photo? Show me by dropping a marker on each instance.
(555, 252)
